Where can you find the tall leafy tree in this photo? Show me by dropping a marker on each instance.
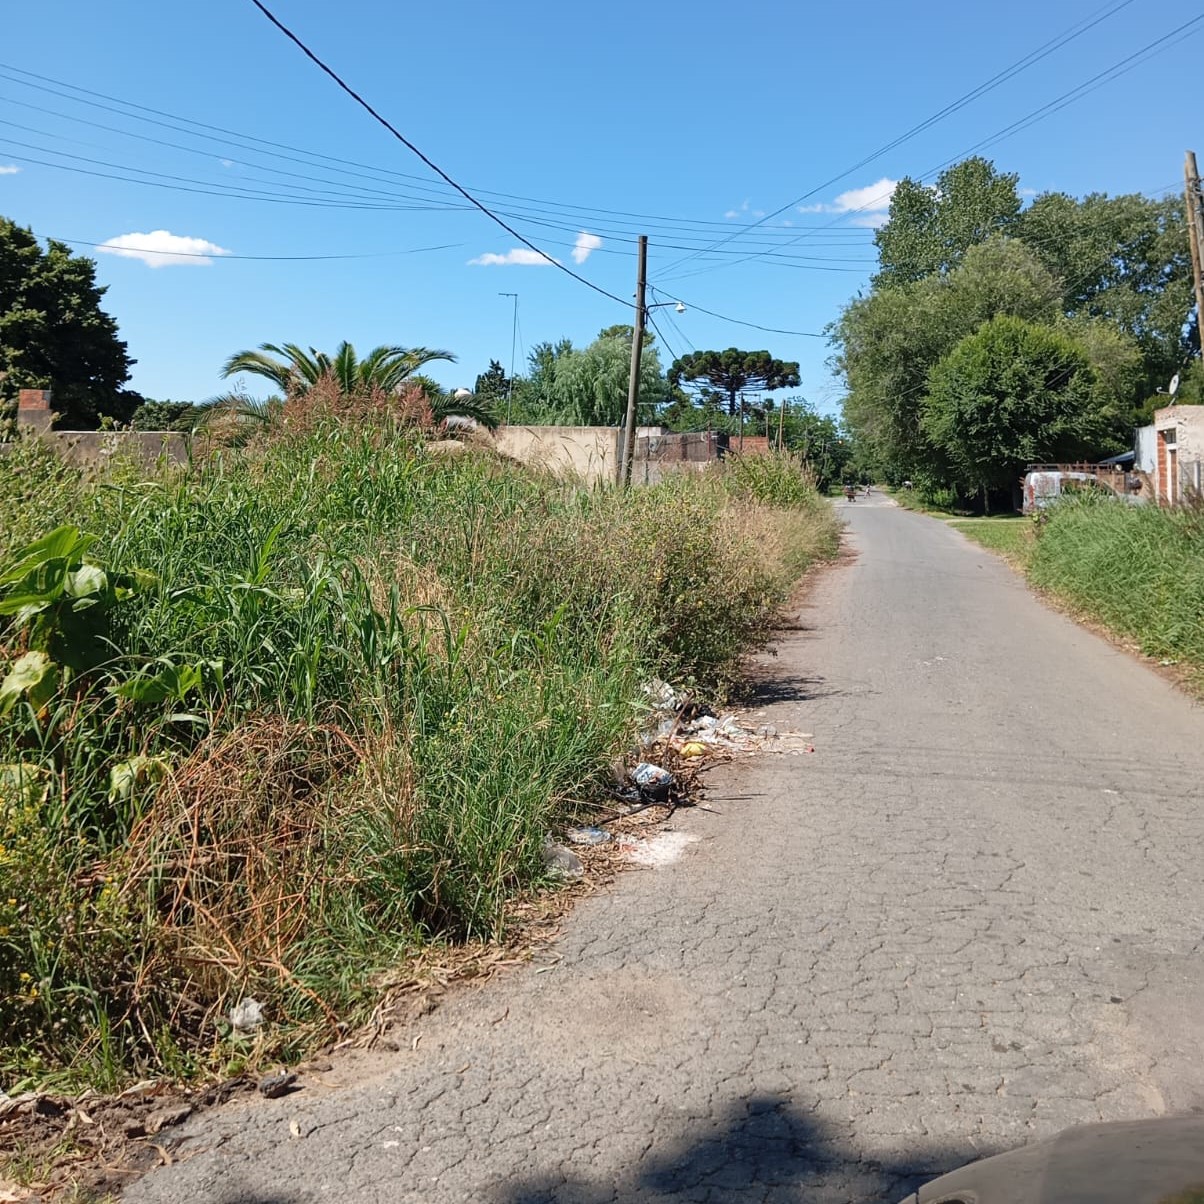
(888, 342)
(1123, 259)
(589, 387)
(1010, 394)
(731, 372)
(930, 229)
(55, 335)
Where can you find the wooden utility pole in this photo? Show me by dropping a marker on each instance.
(781, 422)
(637, 347)
(1195, 230)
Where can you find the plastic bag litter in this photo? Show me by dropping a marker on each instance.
(588, 836)
(561, 862)
(246, 1015)
(653, 781)
(662, 696)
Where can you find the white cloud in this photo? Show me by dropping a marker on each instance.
(161, 249)
(9, 169)
(872, 202)
(520, 255)
(226, 162)
(874, 197)
(731, 213)
(584, 245)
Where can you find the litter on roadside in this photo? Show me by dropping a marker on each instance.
(562, 863)
(653, 781)
(588, 836)
(246, 1015)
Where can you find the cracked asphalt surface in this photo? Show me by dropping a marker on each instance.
(973, 917)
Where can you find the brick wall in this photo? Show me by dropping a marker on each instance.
(33, 409)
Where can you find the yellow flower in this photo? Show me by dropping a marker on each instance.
(24, 977)
(12, 902)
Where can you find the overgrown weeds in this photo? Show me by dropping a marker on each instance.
(1137, 569)
(271, 724)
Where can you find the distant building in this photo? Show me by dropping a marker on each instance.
(1178, 470)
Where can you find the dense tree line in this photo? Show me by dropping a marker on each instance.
(996, 334)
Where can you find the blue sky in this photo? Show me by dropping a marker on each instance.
(698, 117)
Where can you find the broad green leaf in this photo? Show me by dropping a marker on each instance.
(86, 581)
(171, 682)
(62, 543)
(34, 674)
(22, 784)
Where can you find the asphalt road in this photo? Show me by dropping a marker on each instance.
(973, 917)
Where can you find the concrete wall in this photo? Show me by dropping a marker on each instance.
(591, 452)
(95, 449)
(588, 452)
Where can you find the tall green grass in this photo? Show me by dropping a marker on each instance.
(352, 693)
(1137, 569)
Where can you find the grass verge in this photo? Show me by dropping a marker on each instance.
(1012, 536)
(1138, 570)
(271, 724)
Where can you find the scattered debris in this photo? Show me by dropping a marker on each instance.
(168, 1117)
(246, 1015)
(588, 836)
(561, 862)
(653, 782)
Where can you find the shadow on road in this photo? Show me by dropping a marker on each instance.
(782, 688)
(764, 1149)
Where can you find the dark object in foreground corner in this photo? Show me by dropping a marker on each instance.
(1131, 1162)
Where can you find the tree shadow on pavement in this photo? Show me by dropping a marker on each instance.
(781, 688)
(765, 1150)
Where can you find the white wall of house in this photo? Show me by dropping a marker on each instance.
(1179, 452)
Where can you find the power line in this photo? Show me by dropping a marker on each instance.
(309, 54)
(660, 335)
(18, 150)
(804, 334)
(1048, 109)
(1020, 65)
(418, 182)
(186, 183)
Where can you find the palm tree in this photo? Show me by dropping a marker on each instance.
(296, 371)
